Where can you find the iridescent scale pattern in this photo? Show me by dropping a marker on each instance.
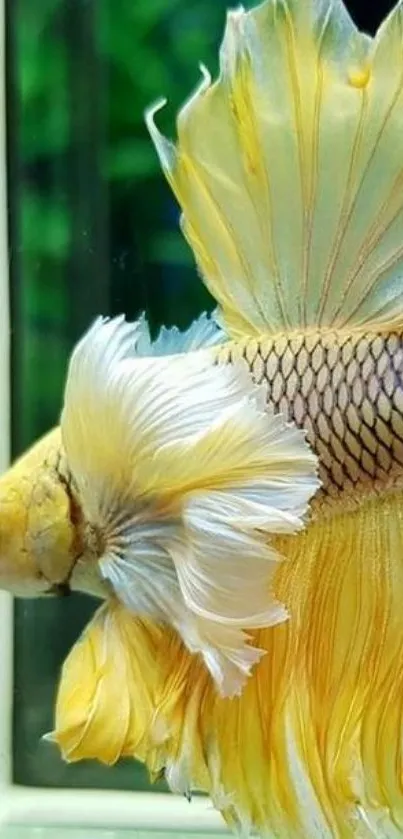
(347, 392)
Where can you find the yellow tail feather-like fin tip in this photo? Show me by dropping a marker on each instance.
(289, 172)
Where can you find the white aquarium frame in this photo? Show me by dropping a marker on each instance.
(27, 811)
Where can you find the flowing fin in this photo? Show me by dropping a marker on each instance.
(320, 723)
(289, 171)
(101, 682)
(184, 474)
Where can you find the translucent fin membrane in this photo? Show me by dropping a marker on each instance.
(289, 171)
(202, 333)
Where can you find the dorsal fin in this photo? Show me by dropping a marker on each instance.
(289, 170)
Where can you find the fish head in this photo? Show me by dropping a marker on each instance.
(37, 531)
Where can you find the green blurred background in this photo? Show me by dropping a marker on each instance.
(93, 229)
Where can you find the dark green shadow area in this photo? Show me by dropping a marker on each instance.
(93, 230)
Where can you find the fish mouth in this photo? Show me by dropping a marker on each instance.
(59, 589)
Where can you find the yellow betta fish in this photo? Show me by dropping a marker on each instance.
(235, 494)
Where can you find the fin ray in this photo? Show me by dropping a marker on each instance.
(288, 171)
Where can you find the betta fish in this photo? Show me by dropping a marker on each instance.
(234, 494)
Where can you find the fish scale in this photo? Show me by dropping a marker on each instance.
(347, 392)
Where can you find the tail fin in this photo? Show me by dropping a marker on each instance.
(289, 170)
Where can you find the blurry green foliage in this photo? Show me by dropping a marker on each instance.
(94, 229)
(84, 72)
(45, 228)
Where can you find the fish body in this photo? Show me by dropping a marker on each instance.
(234, 494)
(346, 391)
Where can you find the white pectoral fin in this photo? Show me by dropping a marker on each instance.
(185, 474)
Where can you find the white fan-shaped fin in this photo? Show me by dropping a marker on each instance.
(289, 173)
(185, 476)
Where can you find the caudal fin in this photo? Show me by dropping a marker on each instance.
(289, 170)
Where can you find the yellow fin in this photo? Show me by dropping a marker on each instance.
(103, 673)
(313, 748)
(289, 170)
